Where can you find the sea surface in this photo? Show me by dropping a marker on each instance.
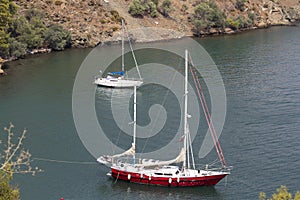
(260, 138)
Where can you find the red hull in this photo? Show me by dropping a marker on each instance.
(166, 181)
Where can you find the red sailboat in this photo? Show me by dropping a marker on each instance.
(126, 167)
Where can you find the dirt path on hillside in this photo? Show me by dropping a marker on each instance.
(146, 29)
(122, 9)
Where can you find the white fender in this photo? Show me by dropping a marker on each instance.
(178, 179)
(170, 180)
(129, 176)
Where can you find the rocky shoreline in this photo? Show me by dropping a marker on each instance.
(152, 34)
(82, 20)
(97, 21)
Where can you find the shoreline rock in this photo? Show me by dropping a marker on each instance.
(2, 72)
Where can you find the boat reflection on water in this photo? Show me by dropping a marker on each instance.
(138, 191)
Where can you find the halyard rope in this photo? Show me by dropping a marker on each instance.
(65, 161)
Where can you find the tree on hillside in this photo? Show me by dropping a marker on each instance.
(57, 38)
(24, 33)
(207, 15)
(139, 8)
(7, 10)
(165, 8)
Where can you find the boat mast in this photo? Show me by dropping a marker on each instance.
(123, 47)
(134, 120)
(185, 106)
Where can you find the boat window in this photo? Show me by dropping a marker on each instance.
(158, 173)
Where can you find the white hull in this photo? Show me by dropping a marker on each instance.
(118, 82)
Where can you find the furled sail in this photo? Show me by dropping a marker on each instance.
(109, 160)
(152, 163)
(120, 73)
(129, 152)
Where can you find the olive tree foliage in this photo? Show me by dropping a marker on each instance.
(20, 34)
(13, 160)
(207, 15)
(165, 7)
(7, 10)
(140, 8)
(137, 8)
(281, 194)
(29, 33)
(57, 38)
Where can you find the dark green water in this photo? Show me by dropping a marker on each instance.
(261, 73)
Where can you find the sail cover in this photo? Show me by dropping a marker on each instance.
(129, 152)
(152, 163)
(120, 73)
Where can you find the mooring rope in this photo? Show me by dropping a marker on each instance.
(65, 161)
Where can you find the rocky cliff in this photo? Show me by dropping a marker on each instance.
(95, 21)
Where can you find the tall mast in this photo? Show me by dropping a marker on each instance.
(122, 45)
(134, 119)
(185, 106)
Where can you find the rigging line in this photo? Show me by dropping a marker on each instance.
(117, 178)
(163, 103)
(135, 62)
(65, 161)
(208, 116)
(218, 146)
(191, 147)
(113, 147)
(118, 139)
(210, 122)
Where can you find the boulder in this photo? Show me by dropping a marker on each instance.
(229, 31)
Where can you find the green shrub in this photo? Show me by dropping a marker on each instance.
(184, 7)
(165, 8)
(28, 32)
(115, 16)
(114, 28)
(4, 44)
(251, 16)
(239, 23)
(244, 22)
(232, 23)
(208, 14)
(137, 8)
(240, 4)
(152, 9)
(57, 38)
(17, 49)
(58, 2)
(34, 13)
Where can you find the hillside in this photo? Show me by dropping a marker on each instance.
(93, 21)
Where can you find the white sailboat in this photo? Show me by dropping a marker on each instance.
(118, 79)
(126, 167)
